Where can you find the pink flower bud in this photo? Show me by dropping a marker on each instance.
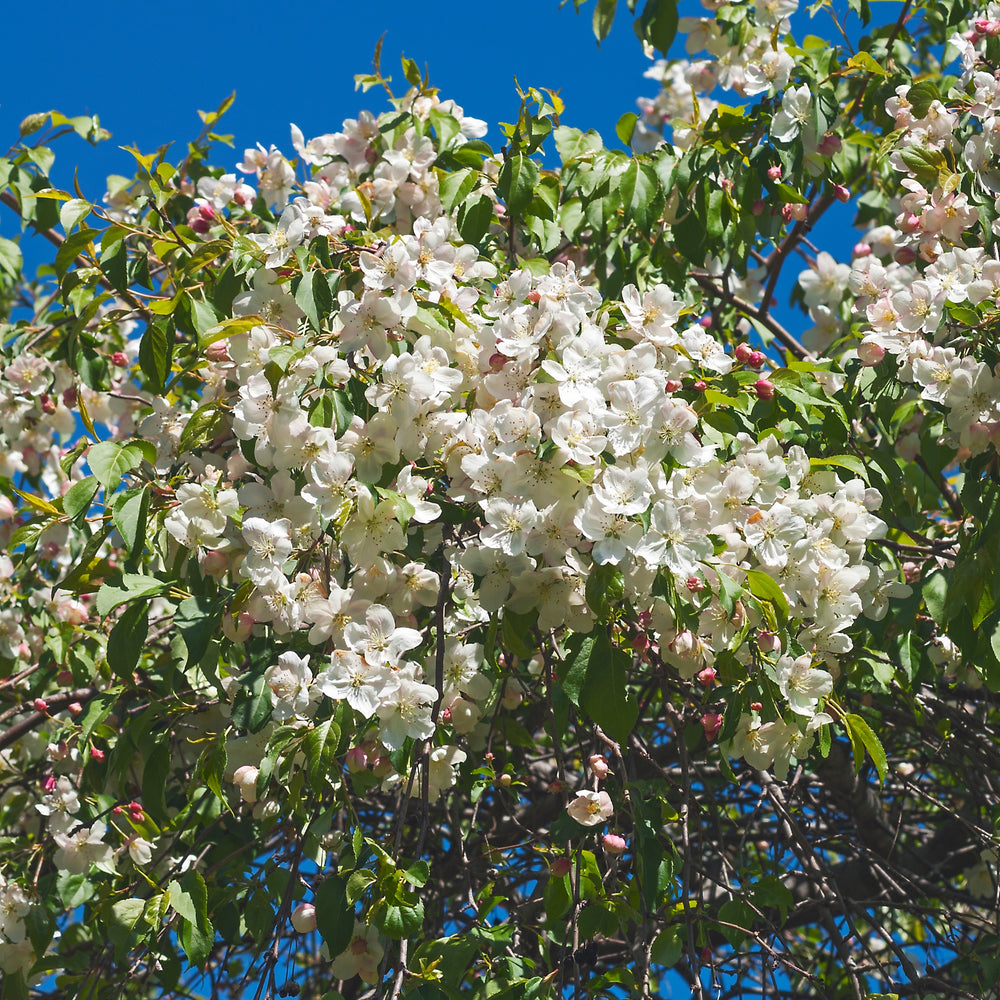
(98, 755)
(672, 385)
(798, 212)
(829, 145)
(774, 173)
(207, 212)
(700, 386)
(757, 359)
(758, 207)
(49, 784)
(908, 222)
(560, 867)
(237, 629)
(743, 353)
(756, 706)
(870, 354)
(46, 403)
(711, 723)
(74, 708)
(764, 389)
(768, 642)
(41, 705)
(381, 766)
(695, 584)
(599, 767)
(119, 359)
(555, 787)
(841, 193)
(726, 184)
(117, 811)
(705, 322)
(904, 255)
(706, 677)
(304, 918)
(218, 351)
(215, 563)
(613, 844)
(356, 760)
(861, 250)
(534, 295)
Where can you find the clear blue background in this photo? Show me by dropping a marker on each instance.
(146, 68)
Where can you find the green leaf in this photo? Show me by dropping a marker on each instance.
(72, 211)
(211, 768)
(79, 577)
(866, 62)
(110, 461)
(401, 921)
(516, 183)
(155, 357)
(197, 620)
(334, 914)
(314, 298)
(572, 143)
(130, 587)
(658, 24)
(626, 127)
(605, 589)
(320, 746)
(205, 423)
(667, 947)
(252, 706)
(641, 195)
(604, 16)
(127, 639)
(737, 921)
(455, 187)
(127, 912)
(79, 497)
(765, 588)
(729, 593)
(861, 733)
(604, 693)
(155, 775)
(474, 218)
(189, 898)
(129, 513)
(114, 264)
(10, 258)
(921, 96)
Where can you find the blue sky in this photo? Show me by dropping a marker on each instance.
(146, 69)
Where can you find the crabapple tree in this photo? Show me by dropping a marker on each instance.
(436, 564)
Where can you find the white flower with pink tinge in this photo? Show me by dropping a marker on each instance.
(379, 641)
(591, 808)
(362, 956)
